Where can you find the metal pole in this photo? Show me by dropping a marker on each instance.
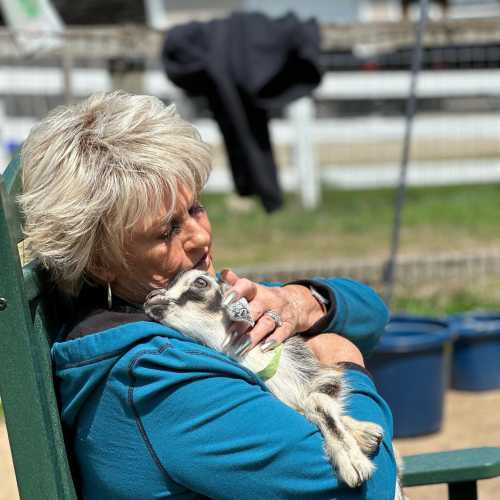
(389, 275)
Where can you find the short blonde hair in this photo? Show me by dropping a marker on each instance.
(92, 170)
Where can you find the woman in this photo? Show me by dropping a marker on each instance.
(110, 198)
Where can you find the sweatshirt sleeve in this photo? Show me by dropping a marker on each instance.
(213, 427)
(356, 311)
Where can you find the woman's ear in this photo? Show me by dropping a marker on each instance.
(101, 274)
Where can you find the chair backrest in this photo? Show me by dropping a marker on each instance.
(28, 325)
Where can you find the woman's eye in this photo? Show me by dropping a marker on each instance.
(196, 208)
(175, 228)
(200, 283)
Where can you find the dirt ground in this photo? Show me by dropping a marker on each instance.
(471, 420)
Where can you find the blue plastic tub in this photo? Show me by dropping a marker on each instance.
(411, 368)
(476, 353)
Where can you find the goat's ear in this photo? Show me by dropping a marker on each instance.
(156, 313)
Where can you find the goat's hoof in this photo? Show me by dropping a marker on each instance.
(369, 437)
(367, 434)
(355, 470)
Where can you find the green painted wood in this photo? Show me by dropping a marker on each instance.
(455, 466)
(26, 384)
(12, 179)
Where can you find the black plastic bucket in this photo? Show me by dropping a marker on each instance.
(411, 368)
(476, 353)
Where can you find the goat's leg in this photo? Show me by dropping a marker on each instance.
(324, 407)
(367, 434)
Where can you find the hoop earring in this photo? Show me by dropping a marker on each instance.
(110, 296)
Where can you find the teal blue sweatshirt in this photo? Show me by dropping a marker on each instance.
(150, 414)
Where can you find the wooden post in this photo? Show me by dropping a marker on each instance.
(301, 114)
(127, 74)
(67, 63)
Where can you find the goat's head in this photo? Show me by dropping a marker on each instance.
(193, 304)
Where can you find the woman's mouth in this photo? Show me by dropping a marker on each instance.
(204, 263)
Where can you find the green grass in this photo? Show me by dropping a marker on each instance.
(445, 299)
(357, 224)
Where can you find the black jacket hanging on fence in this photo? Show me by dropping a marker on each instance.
(246, 65)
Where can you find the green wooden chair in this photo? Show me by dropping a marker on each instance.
(29, 318)
(459, 469)
(26, 385)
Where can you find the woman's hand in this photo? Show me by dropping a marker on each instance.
(294, 304)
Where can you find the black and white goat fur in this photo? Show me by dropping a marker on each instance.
(193, 304)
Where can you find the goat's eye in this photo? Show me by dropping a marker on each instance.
(200, 282)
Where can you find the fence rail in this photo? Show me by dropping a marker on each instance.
(412, 270)
(349, 135)
(139, 41)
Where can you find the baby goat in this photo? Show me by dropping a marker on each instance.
(193, 304)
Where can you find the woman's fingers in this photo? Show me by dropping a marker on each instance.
(279, 335)
(263, 327)
(240, 287)
(229, 276)
(265, 333)
(270, 331)
(274, 313)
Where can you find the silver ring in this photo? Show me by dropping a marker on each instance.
(274, 316)
(240, 311)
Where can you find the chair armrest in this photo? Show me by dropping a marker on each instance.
(470, 464)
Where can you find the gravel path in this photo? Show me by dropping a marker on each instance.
(471, 420)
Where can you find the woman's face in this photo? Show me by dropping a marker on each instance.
(158, 249)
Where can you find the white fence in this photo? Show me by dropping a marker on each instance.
(343, 151)
(342, 85)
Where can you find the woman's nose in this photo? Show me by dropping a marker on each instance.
(196, 235)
